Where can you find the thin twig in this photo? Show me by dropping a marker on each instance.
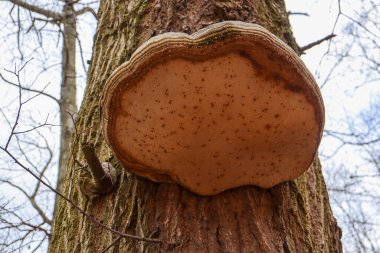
(30, 89)
(36, 127)
(19, 106)
(315, 43)
(72, 203)
(298, 13)
(112, 244)
(86, 9)
(37, 9)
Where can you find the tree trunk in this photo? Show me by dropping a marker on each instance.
(68, 104)
(68, 89)
(291, 217)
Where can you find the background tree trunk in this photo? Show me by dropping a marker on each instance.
(291, 217)
(68, 105)
(67, 101)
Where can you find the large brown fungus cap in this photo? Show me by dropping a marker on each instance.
(230, 105)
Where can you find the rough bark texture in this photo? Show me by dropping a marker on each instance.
(291, 217)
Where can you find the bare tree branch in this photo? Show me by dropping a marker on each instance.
(37, 9)
(92, 219)
(39, 179)
(32, 201)
(342, 137)
(111, 245)
(315, 43)
(87, 9)
(298, 13)
(30, 89)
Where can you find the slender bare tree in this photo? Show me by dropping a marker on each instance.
(66, 20)
(35, 26)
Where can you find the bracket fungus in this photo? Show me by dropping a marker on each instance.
(227, 106)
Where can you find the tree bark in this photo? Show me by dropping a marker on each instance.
(291, 217)
(68, 105)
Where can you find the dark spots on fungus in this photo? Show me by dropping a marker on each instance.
(226, 104)
(239, 113)
(292, 87)
(271, 57)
